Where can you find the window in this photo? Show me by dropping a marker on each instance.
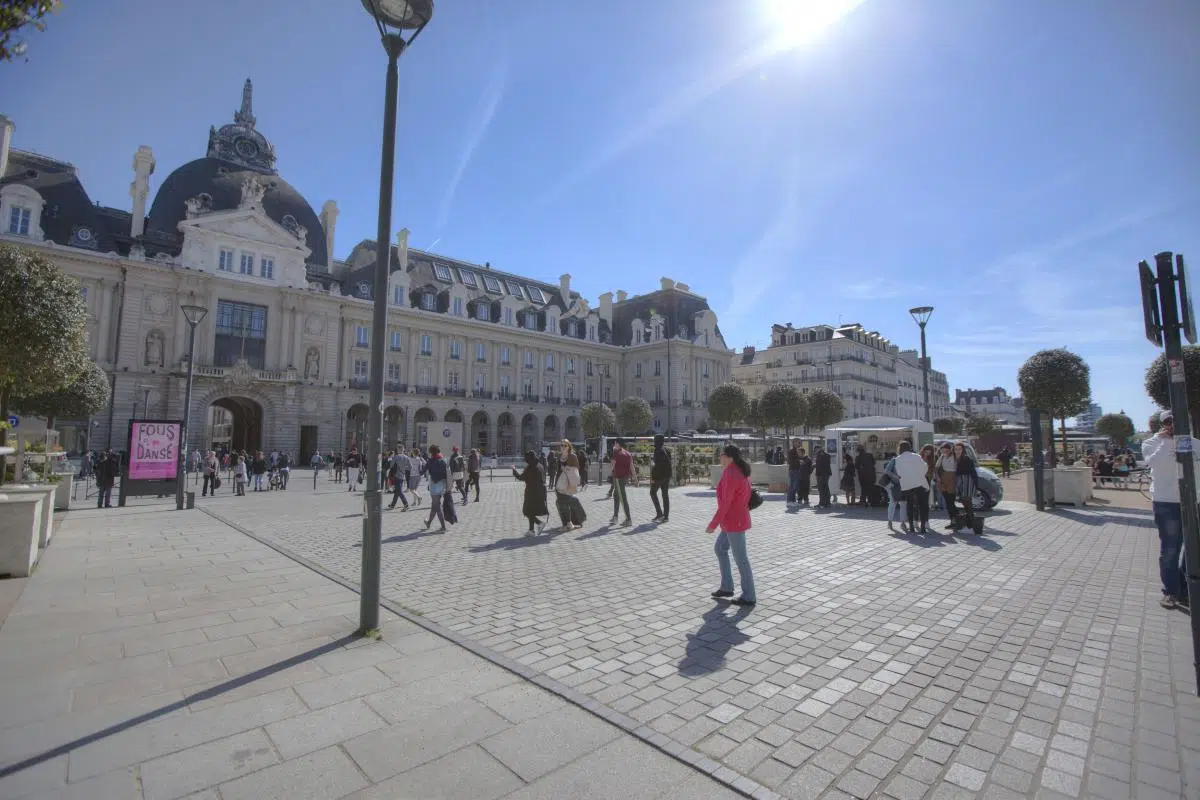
(607, 394)
(429, 301)
(572, 328)
(468, 278)
(638, 391)
(483, 312)
(657, 368)
(362, 336)
(457, 307)
(266, 267)
(514, 289)
(426, 344)
(393, 371)
(588, 368)
(508, 316)
(361, 368)
(535, 294)
(504, 386)
(550, 361)
(492, 285)
(570, 366)
(452, 380)
(704, 371)
(637, 369)
(658, 394)
(527, 388)
(528, 359)
(455, 349)
(397, 342)
(588, 392)
(442, 273)
(241, 333)
(480, 351)
(397, 295)
(570, 391)
(591, 333)
(530, 321)
(424, 378)
(247, 266)
(504, 354)
(225, 260)
(480, 382)
(18, 220)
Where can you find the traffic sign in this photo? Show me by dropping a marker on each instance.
(1183, 444)
(14, 421)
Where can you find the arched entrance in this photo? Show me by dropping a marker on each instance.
(550, 429)
(530, 434)
(453, 415)
(572, 431)
(506, 428)
(423, 415)
(235, 423)
(393, 427)
(356, 427)
(479, 432)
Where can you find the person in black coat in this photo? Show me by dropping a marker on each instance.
(107, 471)
(660, 480)
(823, 468)
(534, 505)
(864, 463)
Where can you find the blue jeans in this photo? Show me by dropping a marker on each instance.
(793, 485)
(1169, 519)
(737, 541)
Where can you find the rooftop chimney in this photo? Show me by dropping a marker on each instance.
(139, 190)
(329, 215)
(564, 286)
(606, 307)
(6, 132)
(402, 249)
(667, 283)
(621, 295)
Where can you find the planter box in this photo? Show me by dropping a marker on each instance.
(777, 477)
(62, 491)
(1072, 485)
(20, 524)
(1047, 482)
(46, 492)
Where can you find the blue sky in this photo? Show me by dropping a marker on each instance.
(1006, 161)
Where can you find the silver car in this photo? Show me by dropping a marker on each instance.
(989, 490)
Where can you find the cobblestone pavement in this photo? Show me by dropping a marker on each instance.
(1032, 661)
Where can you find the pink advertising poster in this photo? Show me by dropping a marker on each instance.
(153, 450)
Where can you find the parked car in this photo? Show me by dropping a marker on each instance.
(989, 490)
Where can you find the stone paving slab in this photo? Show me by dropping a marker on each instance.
(1031, 661)
(156, 655)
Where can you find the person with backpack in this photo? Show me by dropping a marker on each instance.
(660, 480)
(733, 519)
(890, 481)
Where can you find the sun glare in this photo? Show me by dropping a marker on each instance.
(798, 22)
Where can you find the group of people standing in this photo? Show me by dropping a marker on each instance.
(950, 472)
(266, 472)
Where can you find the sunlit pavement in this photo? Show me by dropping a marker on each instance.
(1033, 659)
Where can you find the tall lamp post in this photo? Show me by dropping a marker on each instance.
(395, 19)
(921, 316)
(193, 315)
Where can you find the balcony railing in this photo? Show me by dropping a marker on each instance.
(529, 398)
(455, 392)
(551, 400)
(426, 390)
(243, 368)
(360, 383)
(395, 387)
(572, 401)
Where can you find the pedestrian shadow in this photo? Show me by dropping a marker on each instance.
(983, 542)
(603, 530)
(707, 647)
(709, 493)
(515, 543)
(1128, 516)
(645, 526)
(920, 539)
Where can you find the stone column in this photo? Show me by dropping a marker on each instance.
(102, 349)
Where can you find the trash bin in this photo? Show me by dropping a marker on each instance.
(189, 500)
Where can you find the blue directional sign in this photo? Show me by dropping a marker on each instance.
(14, 421)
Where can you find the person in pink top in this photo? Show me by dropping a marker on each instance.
(622, 471)
(733, 518)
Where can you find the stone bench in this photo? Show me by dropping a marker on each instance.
(20, 528)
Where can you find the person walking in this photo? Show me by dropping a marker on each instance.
(823, 468)
(660, 480)
(1006, 457)
(435, 468)
(570, 511)
(890, 481)
(965, 480)
(552, 467)
(211, 465)
(864, 463)
(622, 470)
(474, 462)
(733, 518)
(106, 478)
(793, 464)
(458, 473)
(848, 478)
(416, 465)
(1159, 454)
(284, 464)
(351, 464)
(533, 505)
(912, 472)
(258, 466)
(398, 471)
(946, 466)
(804, 488)
(339, 464)
(239, 476)
(581, 454)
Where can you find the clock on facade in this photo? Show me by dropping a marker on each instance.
(364, 289)
(83, 234)
(246, 148)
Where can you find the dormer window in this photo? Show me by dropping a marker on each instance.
(514, 289)
(492, 285)
(572, 328)
(266, 268)
(457, 307)
(398, 295)
(429, 301)
(531, 321)
(247, 264)
(442, 273)
(18, 220)
(225, 260)
(468, 278)
(483, 312)
(535, 294)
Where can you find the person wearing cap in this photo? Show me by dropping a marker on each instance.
(660, 480)
(1159, 453)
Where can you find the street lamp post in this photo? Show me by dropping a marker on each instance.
(193, 315)
(921, 316)
(393, 18)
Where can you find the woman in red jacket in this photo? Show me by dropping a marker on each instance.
(733, 518)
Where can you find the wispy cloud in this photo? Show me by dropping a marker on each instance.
(874, 289)
(692, 95)
(489, 104)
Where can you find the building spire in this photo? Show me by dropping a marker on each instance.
(245, 116)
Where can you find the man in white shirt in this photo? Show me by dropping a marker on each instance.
(1159, 453)
(914, 486)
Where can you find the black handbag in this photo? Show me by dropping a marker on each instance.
(756, 499)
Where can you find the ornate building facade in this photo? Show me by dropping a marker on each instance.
(282, 356)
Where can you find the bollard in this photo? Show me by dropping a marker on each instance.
(189, 500)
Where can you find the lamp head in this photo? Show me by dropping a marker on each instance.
(400, 14)
(193, 314)
(921, 314)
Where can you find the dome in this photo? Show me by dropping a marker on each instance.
(222, 181)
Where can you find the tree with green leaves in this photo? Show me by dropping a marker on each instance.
(727, 405)
(755, 419)
(88, 394)
(634, 416)
(17, 16)
(982, 424)
(43, 330)
(947, 426)
(1058, 382)
(1159, 388)
(1155, 421)
(823, 408)
(784, 407)
(1118, 427)
(597, 420)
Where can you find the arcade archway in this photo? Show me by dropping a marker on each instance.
(356, 427)
(393, 427)
(530, 434)
(550, 429)
(506, 428)
(235, 423)
(479, 432)
(572, 432)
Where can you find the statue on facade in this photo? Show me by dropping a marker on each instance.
(253, 190)
(312, 364)
(154, 349)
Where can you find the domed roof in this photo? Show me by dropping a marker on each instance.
(235, 152)
(222, 182)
